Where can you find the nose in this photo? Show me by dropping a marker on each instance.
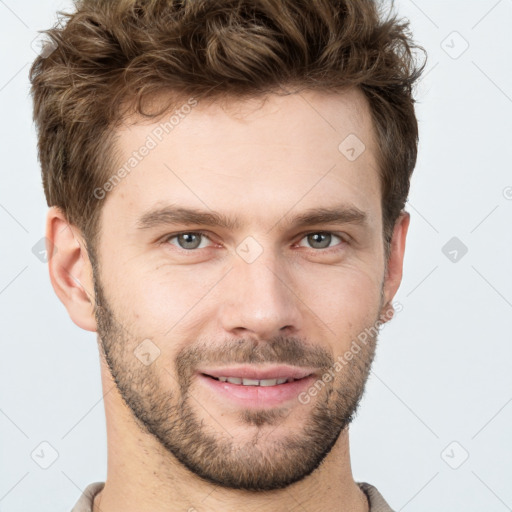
(258, 299)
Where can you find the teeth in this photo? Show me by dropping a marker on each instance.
(269, 382)
(254, 382)
(250, 382)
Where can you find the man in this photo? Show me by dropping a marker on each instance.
(226, 182)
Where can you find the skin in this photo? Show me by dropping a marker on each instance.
(261, 163)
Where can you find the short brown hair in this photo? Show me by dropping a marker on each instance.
(110, 56)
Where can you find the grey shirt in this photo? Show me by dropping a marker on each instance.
(377, 503)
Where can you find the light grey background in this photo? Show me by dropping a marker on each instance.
(441, 387)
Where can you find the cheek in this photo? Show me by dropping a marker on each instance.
(157, 300)
(346, 299)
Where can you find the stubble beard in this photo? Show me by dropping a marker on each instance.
(268, 460)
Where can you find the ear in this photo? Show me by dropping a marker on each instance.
(395, 262)
(70, 269)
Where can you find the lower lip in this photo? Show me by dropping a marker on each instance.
(257, 396)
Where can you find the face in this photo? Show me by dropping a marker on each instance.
(239, 260)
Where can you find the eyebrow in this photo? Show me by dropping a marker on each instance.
(168, 215)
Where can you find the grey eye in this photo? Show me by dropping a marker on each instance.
(189, 241)
(320, 240)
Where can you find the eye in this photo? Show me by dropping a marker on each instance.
(189, 241)
(321, 240)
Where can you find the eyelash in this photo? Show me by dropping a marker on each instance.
(336, 247)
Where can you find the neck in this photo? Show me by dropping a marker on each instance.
(142, 475)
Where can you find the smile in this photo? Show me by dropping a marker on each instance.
(252, 382)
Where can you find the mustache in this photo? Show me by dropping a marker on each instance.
(278, 350)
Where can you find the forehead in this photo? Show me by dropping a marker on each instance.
(284, 152)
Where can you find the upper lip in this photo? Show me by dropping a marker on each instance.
(258, 373)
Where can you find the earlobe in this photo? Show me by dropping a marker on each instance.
(395, 262)
(70, 269)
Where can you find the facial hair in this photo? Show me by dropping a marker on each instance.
(164, 406)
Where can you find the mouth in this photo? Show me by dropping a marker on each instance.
(252, 382)
(258, 376)
(252, 386)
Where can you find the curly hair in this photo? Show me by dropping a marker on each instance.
(109, 58)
